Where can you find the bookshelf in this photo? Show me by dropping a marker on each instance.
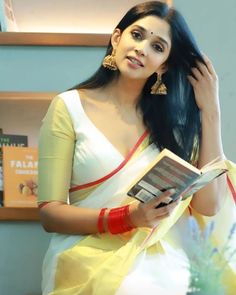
(19, 214)
(53, 39)
(21, 113)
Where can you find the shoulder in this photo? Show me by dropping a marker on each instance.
(62, 101)
(67, 96)
(59, 106)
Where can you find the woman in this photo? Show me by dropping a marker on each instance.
(154, 90)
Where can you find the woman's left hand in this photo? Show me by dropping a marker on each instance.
(205, 85)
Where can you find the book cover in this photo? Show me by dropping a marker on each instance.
(170, 171)
(10, 140)
(20, 170)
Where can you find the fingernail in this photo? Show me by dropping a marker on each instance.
(172, 191)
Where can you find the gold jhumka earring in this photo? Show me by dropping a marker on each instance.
(159, 87)
(109, 61)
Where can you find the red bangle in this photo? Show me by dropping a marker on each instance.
(118, 220)
(100, 223)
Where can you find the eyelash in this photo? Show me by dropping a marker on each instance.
(138, 36)
(158, 47)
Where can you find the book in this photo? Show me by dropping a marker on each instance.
(20, 171)
(9, 140)
(170, 171)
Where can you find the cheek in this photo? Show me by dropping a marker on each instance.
(125, 45)
(157, 60)
(120, 55)
(122, 51)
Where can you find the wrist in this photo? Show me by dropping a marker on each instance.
(115, 220)
(133, 216)
(212, 115)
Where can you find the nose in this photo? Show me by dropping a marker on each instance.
(141, 49)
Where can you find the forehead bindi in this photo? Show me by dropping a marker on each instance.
(155, 27)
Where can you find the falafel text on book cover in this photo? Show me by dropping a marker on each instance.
(20, 171)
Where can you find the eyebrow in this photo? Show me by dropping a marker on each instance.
(145, 31)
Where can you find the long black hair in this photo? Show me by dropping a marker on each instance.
(173, 119)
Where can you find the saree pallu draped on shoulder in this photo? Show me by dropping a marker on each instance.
(97, 264)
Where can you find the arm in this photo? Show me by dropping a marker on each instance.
(56, 147)
(67, 219)
(208, 200)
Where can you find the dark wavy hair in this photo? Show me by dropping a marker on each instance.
(173, 119)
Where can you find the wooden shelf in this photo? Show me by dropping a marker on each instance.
(20, 95)
(19, 214)
(23, 214)
(53, 39)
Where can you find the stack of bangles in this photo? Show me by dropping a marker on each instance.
(118, 220)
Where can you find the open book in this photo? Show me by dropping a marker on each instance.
(170, 171)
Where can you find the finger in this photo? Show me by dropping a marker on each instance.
(209, 65)
(196, 73)
(167, 208)
(164, 197)
(203, 68)
(164, 212)
(192, 81)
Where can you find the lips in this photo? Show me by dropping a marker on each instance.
(135, 61)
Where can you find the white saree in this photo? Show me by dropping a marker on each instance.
(130, 263)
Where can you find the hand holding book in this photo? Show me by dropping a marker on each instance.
(149, 214)
(170, 171)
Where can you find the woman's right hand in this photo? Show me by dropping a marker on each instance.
(148, 215)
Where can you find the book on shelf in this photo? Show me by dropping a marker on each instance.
(170, 171)
(20, 170)
(9, 140)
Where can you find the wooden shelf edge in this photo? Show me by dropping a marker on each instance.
(22, 95)
(53, 39)
(19, 214)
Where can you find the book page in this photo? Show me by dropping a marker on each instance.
(203, 180)
(166, 174)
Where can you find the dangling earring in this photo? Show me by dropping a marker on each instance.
(109, 61)
(159, 87)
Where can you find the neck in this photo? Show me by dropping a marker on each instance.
(125, 92)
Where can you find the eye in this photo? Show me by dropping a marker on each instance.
(158, 47)
(136, 35)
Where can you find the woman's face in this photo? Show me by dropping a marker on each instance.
(142, 48)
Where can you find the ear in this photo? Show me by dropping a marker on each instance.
(162, 69)
(115, 38)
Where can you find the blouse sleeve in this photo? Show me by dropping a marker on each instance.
(56, 146)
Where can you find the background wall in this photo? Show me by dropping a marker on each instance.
(213, 24)
(46, 68)
(23, 245)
